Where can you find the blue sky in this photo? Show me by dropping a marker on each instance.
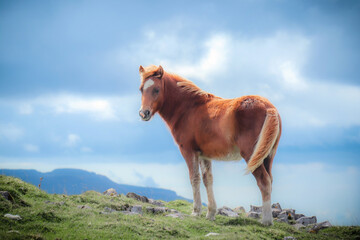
(69, 91)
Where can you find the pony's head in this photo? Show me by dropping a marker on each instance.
(152, 90)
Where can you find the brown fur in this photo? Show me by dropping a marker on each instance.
(209, 127)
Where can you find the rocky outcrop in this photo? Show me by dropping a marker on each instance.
(110, 192)
(226, 211)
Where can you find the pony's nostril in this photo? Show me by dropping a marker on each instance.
(147, 113)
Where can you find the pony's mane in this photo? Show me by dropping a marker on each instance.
(189, 87)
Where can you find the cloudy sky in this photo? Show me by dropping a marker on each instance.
(69, 91)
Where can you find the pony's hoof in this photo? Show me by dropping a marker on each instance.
(195, 214)
(267, 223)
(210, 217)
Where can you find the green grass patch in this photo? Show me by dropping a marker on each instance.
(58, 216)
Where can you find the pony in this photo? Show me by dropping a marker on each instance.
(206, 127)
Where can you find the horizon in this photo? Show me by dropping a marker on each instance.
(69, 92)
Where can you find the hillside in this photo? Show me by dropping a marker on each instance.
(92, 215)
(76, 181)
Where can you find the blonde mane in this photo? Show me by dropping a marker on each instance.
(188, 86)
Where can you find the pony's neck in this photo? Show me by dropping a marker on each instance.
(176, 101)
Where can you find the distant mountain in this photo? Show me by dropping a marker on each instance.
(76, 181)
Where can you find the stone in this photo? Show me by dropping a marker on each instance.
(157, 210)
(297, 216)
(285, 220)
(318, 226)
(276, 206)
(12, 217)
(255, 209)
(7, 196)
(226, 211)
(157, 203)
(110, 192)
(109, 210)
(239, 210)
(173, 211)
(289, 238)
(128, 213)
(307, 220)
(136, 209)
(137, 197)
(253, 214)
(212, 234)
(288, 213)
(83, 207)
(275, 212)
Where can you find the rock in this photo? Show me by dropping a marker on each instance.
(289, 238)
(14, 231)
(110, 192)
(285, 220)
(255, 209)
(157, 210)
(288, 213)
(298, 226)
(109, 210)
(318, 226)
(276, 206)
(137, 197)
(12, 217)
(275, 212)
(129, 213)
(297, 216)
(307, 220)
(7, 196)
(253, 214)
(239, 210)
(136, 209)
(83, 207)
(212, 234)
(174, 211)
(226, 211)
(155, 202)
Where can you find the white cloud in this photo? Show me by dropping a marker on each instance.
(72, 140)
(101, 108)
(10, 132)
(31, 148)
(86, 150)
(232, 65)
(25, 109)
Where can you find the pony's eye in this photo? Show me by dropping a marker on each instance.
(156, 91)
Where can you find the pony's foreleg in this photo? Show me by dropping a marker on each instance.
(207, 176)
(263, 180)
(192, 162)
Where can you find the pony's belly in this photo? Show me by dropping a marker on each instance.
(233, 155)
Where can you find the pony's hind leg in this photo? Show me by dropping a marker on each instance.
(263, 180)
(207, 176)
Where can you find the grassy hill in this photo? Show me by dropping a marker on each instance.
(54, 216)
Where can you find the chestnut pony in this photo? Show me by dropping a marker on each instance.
(207, 127)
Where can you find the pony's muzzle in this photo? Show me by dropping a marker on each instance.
(145, 115)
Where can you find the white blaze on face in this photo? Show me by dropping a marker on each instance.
(148, 84)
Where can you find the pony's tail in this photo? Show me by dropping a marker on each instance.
(266, 141)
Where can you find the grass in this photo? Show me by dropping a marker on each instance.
(65, 220)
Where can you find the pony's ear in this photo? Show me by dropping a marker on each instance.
(141, 69)
(159, 72)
